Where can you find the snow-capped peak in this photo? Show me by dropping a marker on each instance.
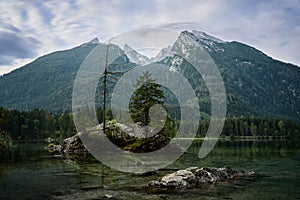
(162, 54)
(208, 42)
(94, 41)
(135, 57)
(203, 35)
(200, 36)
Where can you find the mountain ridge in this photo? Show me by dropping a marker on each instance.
(255, 83)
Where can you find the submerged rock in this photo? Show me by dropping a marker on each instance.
(196, 176)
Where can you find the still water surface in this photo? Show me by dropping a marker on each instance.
(33, 173)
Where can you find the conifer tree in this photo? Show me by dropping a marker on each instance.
(148, 93)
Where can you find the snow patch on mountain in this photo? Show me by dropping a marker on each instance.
(135, 56)
(185, 40)
(205, 36)
(163, 53)
(208, 42)
(175, 64)
(94, 41)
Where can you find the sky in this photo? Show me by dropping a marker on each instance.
(29, 29)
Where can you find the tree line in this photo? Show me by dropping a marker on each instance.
(255, 127)
(38, 124)
(35, 124)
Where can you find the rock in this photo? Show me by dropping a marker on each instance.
(73, 145)
(128, 137)
(195, 176)
(107, 196)
(204, 176)
(179, 179)
(131, 137)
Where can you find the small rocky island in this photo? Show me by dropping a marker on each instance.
(194, 176)
(127, 137)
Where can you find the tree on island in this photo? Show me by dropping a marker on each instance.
(148, 93)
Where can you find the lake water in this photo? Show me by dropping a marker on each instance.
(33, 173)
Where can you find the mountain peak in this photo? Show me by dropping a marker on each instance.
(127, 48)
(164, 52)
(94, 41)
(135, 56)
(203, 35)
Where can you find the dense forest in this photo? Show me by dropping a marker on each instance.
(36, 125)
(255, 127)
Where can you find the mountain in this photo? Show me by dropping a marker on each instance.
(164, 52)
(140, 59)
(256, 84)
(135, 57)
(45, 83)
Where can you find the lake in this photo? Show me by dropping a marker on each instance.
(31, 172)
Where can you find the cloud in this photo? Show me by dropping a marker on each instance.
(13, 45)
(268, 26)
(41, 27)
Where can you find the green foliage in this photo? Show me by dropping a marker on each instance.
(6, 142)
(255, 127)
(257, 85)
(36, 124)
(146, 95)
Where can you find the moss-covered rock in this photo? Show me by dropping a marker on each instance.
(73, 145)
(129, 137)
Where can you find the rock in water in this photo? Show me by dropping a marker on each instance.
(196, 176)
(73, 145)
(128, 137)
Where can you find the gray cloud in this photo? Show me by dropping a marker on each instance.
(272, 26)
(15, 46)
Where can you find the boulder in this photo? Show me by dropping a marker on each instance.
(195, 176)
(73, 145)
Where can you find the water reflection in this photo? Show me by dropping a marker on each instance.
(32, 173)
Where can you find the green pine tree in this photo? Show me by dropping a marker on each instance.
(148, 93)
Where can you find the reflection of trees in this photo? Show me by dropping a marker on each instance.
(32, 165)
(255, 149)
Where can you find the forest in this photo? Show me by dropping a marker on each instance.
(36, 125)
